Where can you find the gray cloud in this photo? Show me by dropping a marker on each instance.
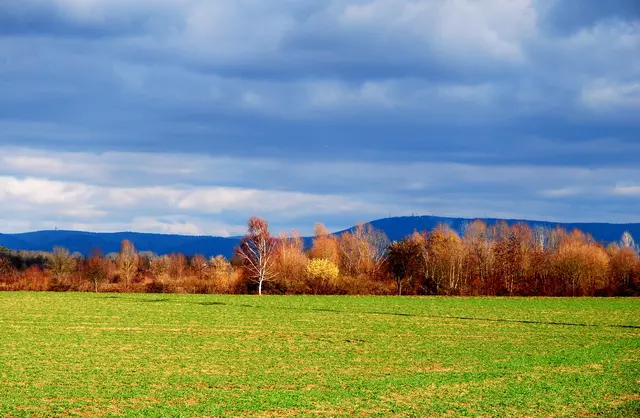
(568, 16)
(369, 102)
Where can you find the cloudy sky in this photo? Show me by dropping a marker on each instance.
(188, 116)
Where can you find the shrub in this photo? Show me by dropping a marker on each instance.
(154, 286)
(322, 275)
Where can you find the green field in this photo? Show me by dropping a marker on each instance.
(185, 355)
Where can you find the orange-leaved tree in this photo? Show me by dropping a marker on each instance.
(95, 269)
(290, 263)
(325, 246)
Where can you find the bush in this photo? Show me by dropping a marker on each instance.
(322, 275)
(154, 287)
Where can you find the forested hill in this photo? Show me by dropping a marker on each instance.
(395, 228)
(84, 242)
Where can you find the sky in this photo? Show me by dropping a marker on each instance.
(189, 116)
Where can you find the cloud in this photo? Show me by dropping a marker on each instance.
(208, 195)
(164, 225)
(79, 199)
(342, 110)
(627, 190)
(612, 96)
(567, 16)
(169, 207)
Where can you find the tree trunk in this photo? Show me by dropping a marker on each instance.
(260, 286)
(399, 287)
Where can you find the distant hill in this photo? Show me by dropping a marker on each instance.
(395, 228)
(85, 242)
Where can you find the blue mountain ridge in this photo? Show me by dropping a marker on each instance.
(395, 228)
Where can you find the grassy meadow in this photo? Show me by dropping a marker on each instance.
(74, 354)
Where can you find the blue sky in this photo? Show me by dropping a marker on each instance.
(188, 116)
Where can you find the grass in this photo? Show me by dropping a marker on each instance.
(185, 355)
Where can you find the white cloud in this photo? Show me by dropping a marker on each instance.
(496, 27)
(169, 208)
(34, 163)
(39, 191)
(629, 190)
(455, 29)
(216, 195)
(77, 198)
(165, 225)
(611, 96)
(563, 192)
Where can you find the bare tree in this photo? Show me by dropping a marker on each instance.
(363, 250)
(542, 237)
(257, 252)
(159, 267)
(95, 270)
(62, 263)
(127, 261)
(627, 241)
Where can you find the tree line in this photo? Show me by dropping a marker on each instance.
(496, 260)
